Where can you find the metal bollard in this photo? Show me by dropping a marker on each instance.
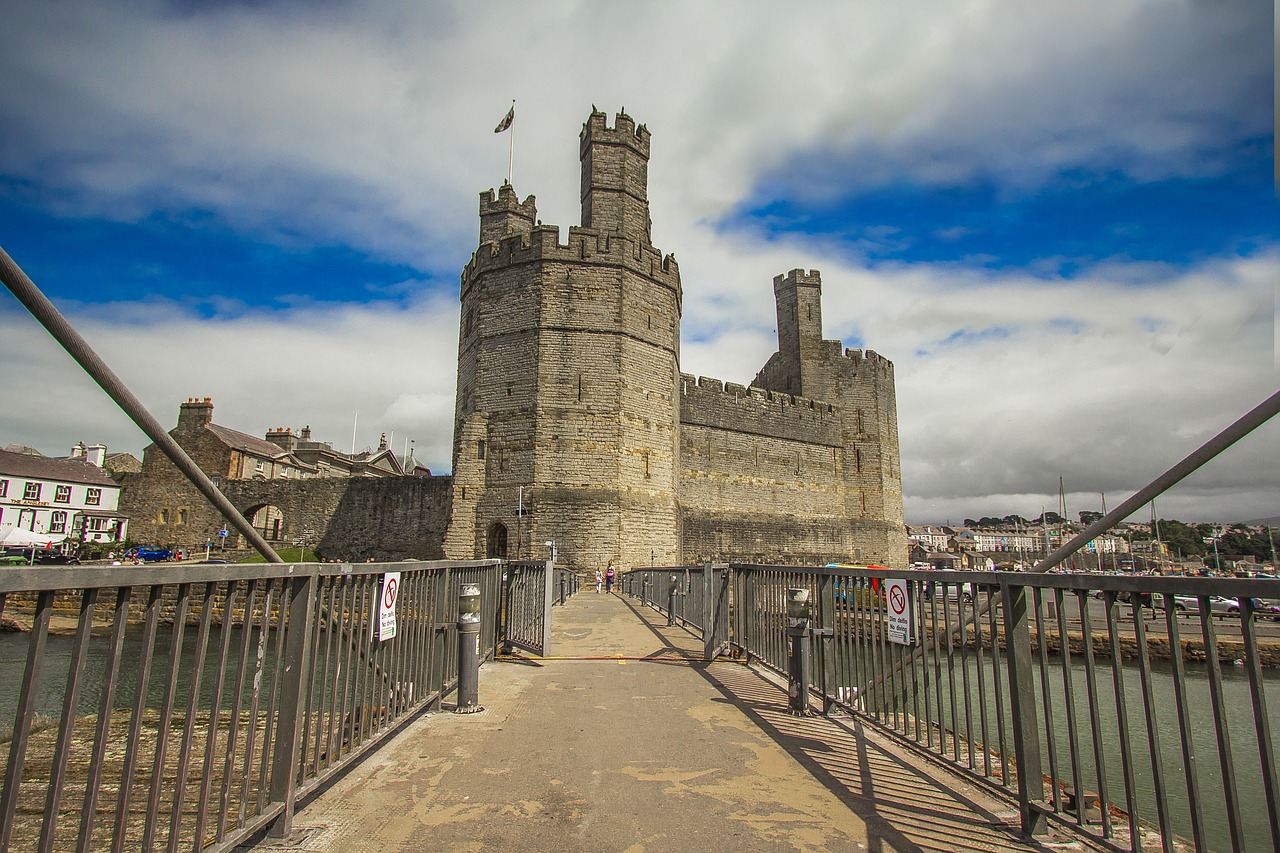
(562, 598)
(671, 602)
(798, 659)
(468, 649)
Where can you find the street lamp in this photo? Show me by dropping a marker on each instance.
(551, 547)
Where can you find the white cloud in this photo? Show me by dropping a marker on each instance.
(370, 127)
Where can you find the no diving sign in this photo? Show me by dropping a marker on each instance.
(385, 624)
(901, 611)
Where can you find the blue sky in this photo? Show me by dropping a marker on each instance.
(1057, 219)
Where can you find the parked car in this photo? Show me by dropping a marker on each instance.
(151, 555)
(43, 557)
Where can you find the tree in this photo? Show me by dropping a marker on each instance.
(1088, 516)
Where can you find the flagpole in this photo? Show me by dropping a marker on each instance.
(511, 150)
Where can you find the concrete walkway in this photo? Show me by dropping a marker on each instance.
(575, 753)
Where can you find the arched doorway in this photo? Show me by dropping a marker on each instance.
(496, 546)
(267, 520)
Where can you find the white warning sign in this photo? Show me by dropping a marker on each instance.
(901, 611)
(385, 611)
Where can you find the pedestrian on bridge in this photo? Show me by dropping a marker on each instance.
(608, 577)
(599, 579)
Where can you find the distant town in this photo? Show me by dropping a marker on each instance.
(1161, 546)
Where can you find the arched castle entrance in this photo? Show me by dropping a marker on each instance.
(496, 542)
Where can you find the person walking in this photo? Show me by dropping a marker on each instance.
(608, 577)
(599, 579)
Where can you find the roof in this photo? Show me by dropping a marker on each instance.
(243, 441)
(62, 470)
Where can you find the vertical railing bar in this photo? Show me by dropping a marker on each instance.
(274, 711)
(273, 707)
(1266, 752)
(1095, 721)
(102, 732)
(24, 715)
(1046, 699)
(362, 640)
(66, 725)
(1122, 720)
(962, 621)
(351, 597)
(994, 632)
(1153, 732)
(1069, 702)
(255, 699)
(193, 705)
(1176, 656)
(215, 713)
(1220, 725)
(309, 690)
(917, 627)
(951, 673)
(981, 659)
(296, 619)
(326, 592)
(135, 722)
(336, 627)
(939, 590)
(1022, 698)
(237, 704)
(160, 758)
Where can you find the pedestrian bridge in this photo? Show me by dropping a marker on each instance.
(303, 707)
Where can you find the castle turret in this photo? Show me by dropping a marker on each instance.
(615, 176)
(505, 215)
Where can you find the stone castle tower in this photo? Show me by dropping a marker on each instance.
(573, 423)
(568, 373)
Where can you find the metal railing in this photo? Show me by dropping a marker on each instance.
(1131, 723)
(190, 707)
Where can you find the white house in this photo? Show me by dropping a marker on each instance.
(74, 499)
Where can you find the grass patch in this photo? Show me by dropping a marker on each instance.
(289, 555)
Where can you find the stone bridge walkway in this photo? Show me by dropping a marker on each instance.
(580, 753)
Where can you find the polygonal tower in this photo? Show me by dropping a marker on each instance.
(567, 373)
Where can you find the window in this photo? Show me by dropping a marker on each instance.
(217, 482)
(480, 449)
(182, 516)
(93, 497)
(31, 492)
(58, 522)
(261, 467)
(62, 495)
(4, 488)
(164, 516)
(97, 524)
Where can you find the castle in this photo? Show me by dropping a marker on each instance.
(574, 425)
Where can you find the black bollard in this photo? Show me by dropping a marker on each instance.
(798, 659)
(469, 649)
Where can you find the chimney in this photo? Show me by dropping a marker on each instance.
(95, 454)
(195, 413)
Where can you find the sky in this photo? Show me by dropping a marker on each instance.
(1057, 219)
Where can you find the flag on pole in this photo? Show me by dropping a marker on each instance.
(507, 119)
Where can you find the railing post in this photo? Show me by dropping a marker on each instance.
(798, 657)
(468, 649)
(710, 612)
(562, 581)
(671, 600)
(1022, 704)
(289, 722)
(824, 661)
(547, 598)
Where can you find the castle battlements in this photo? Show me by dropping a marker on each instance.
(624, 132)
(756, 411)
(795, 277)
(585, 245)
(872, 359)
